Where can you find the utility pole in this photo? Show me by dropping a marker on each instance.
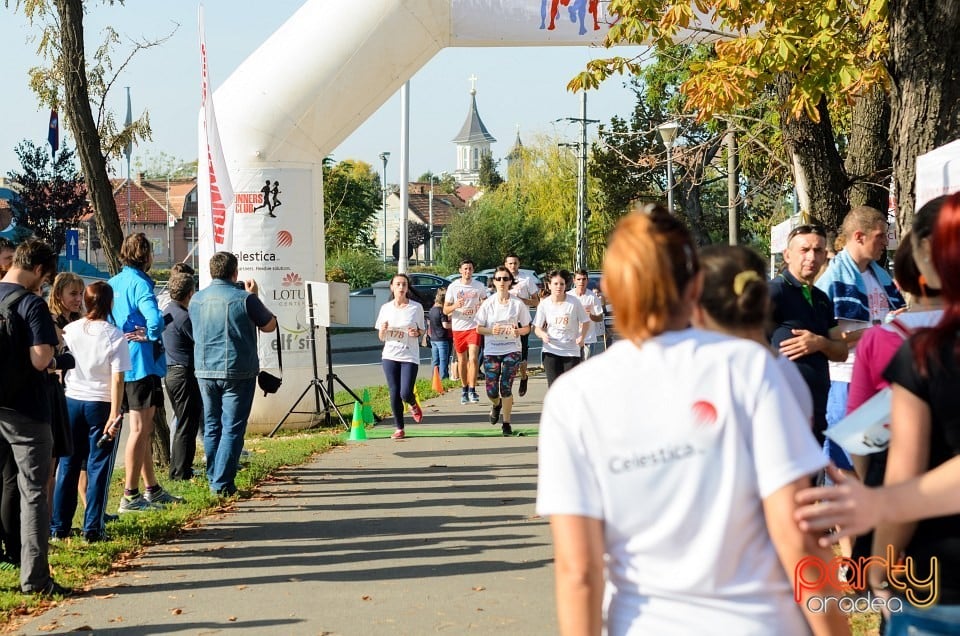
(733, 185)
(128, 150)
(404, 175)
(384, 156)
(580, 259)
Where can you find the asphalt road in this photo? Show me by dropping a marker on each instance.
(362, 368)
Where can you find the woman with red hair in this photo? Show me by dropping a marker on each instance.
(925, 433)
(668, 466)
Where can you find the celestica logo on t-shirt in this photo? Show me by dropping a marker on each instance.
(701, 434)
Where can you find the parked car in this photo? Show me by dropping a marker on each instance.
(424, 286)
(482, 278)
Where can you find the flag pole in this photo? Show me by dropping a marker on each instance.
(128, 150)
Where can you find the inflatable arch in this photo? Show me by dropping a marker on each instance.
(308, 87)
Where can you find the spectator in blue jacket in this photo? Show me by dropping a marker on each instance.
(136, 312)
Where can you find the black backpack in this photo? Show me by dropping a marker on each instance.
(14, 348)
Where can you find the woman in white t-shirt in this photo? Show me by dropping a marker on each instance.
(736, 301)
(502, 319)
(400, 325)
(562, 324)
(94, 390)
(668, 466)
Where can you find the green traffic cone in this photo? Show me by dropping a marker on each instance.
(367, 410)
(358, 431)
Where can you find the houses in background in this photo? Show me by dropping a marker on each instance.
(163, 209)
(444, 205)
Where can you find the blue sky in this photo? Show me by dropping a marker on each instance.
(517, 86)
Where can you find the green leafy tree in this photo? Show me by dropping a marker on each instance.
(417, 234)
(355, 267)
(79, 90)
(351, 198)
(51, 193)
(443, 183)
(629, 159)
(812, 57)
(493, 227)
(489, 178)
(162, 165)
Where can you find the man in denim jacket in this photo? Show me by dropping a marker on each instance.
(225, 321)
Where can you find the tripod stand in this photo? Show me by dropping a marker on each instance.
(322, 388)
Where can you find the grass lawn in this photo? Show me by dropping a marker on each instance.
(76, 563)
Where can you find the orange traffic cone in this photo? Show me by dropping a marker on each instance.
(437, 384)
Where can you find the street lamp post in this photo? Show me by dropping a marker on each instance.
(384, 156)
(668, 133)
(192, 226)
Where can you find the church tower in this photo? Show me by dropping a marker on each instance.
(473, 141)
(515, 158)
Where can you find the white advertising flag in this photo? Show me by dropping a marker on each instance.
(214, 191)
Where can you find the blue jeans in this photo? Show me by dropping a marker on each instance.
(441, 357)
(836, 411)
(935, 621)
(87, 420)
(401, 377)
(226, 407)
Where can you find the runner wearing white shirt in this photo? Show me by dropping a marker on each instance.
(668, 466)
(463, 299)
(399, 326)
(593, 305)
(526, 291)
(562, 323)
(502, 319)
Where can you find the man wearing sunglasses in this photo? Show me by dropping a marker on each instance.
(805, 329)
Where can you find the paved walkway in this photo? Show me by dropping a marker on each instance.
(430, 534)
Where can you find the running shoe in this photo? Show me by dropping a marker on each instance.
(398, 434)
(523, 386)
(474, 397)
(135, 504)
(161, 497)
(464, 398)
(416, 412)
(506, 429)
(495, 413)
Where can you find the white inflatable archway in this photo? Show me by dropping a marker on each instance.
(307, 88)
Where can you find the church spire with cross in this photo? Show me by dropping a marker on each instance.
(473, 141)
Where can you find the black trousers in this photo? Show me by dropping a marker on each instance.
(184, 393)
(554, 365)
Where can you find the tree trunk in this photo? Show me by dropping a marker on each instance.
(691, 188)
(818, 172)
(869, 156)
(925, 93)
(84, 128)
